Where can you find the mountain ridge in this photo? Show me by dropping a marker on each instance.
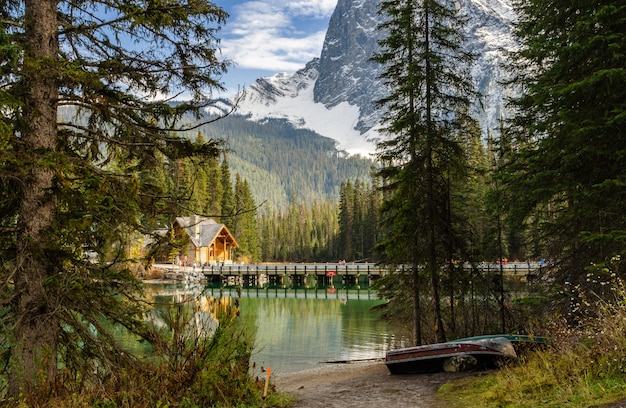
(334, 95)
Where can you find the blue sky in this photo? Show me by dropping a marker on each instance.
(264, 37)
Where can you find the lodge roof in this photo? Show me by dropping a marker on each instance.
(203, 231)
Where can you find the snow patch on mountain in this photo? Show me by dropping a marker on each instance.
(503, 9)
(291, 97)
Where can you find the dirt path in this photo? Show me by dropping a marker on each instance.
(362, 385)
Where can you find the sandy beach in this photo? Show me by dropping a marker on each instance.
(362, 385)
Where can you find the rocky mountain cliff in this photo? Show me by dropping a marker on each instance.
(334, 95)
(346, 72)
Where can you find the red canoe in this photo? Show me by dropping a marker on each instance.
(431, 358)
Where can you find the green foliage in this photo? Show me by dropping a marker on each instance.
(422, 160)
(199, 359)
(245, 222)
(472, 309)
(565, 175)
(283, 164)
(323, 231)
(228, 200)
(359, 209)
(302, 233)
(281, 170)
(89, 182)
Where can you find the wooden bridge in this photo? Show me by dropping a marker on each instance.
(302, 274)
(295, 274)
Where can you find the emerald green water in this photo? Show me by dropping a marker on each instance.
(296, 330)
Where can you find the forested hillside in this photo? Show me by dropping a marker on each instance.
(283, 164)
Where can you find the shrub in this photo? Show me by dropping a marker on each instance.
(584, 366)
(200, 359)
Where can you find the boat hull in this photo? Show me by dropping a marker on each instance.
(513, 338)
(432, 357)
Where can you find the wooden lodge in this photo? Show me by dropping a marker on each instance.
(209, 243)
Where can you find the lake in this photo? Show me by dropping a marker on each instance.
(300, 329)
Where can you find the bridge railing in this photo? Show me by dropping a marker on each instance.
(294, 269)
(333, 269)
(351, 269)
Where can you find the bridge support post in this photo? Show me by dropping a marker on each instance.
(285, 281)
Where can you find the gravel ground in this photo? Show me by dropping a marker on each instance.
(369, 385)
(362, 385)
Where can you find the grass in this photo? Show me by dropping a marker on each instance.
(543, 379)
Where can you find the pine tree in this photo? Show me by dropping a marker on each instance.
(228, 195)
(302, 233)
(359, 207)
(245, 227)
(426, 73)
(346, 221)
(372, 220)
(214, 188)
(199, 180)
(568, 177)
(69, 185)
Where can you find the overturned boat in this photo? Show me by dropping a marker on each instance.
(456, 355)
(516, 339)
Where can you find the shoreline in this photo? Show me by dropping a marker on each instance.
(361, 385)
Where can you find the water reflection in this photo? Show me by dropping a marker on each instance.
(293, 329)
(344, 293)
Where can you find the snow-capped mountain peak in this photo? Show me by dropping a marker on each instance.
(335, 94)
(291, 97)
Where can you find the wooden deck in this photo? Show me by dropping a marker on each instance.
(325, 273)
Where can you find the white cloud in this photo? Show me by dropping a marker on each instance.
(319, 8)
(268, 51)
(275, 34)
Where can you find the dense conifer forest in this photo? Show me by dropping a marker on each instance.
(283, 164)
(326, 226)
(287, 194)
(327, 229)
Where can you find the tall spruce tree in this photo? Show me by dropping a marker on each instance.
(303, 232)
(467, 220)
(426, 74)
(69, 185)
(228, 195)
(569, 178)
(245, 228)
(214, 188)
(346, 220)
(199, 180)
(359, 206)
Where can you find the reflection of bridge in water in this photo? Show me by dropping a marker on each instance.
(353, 292)
(185, 292)
(311, 281)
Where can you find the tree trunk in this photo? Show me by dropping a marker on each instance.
(34, 350)
(440, 334)
(417, 314)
